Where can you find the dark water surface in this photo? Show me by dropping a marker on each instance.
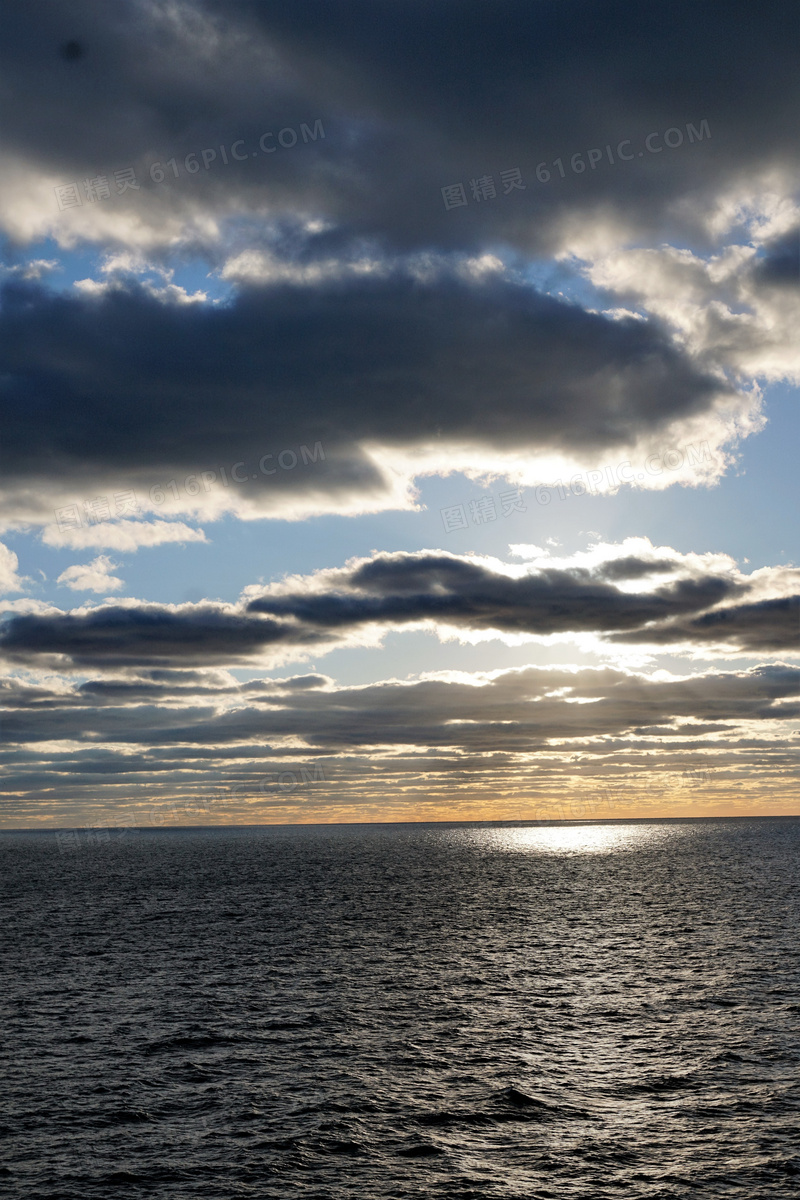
(404, 1010)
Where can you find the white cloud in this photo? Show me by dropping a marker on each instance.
(91, 577)
(256, 266)
(125, 536)
(35, 269)
(10, 581)
(28, 606)
(170, 291)
(719, 310)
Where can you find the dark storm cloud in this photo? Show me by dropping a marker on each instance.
(403, 588)
(415, 95)
(392, 591)
(780, 266)
(159, 77)
(632, 567)
(128, 389)
(177, 684)
(769, 626)
(486, 86)
(147, 635)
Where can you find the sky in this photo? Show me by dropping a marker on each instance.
(398, 411)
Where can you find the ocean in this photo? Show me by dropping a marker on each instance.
(371, 1011)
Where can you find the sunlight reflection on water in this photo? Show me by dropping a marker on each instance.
(581, 839)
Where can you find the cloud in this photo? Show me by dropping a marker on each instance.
(33, 269)
(91, 577)
(736, 311)
(141, 634)
(121, 534)
(402, 588)
(779, 266)
(410, 102)
(766, 627)
(10, 581)
(344, 394)
(339, 333)
(403, 338)
(27, 605)
(531, 736)
(631, 594)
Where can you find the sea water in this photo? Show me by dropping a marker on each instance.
(375, 1011)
